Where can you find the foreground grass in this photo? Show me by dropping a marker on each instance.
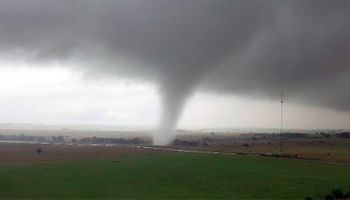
(173, 176)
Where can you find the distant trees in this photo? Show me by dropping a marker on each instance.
(74, 141)
(325, 135)
(58, 139)
(203, 142)
(185, 143)
(343, 135)
(337, 135)
(207, 139)
(98, 140)
(246, 145)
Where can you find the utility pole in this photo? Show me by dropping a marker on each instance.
(281, 127)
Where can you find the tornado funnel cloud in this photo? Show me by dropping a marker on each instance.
(167, 126)
(173, 99)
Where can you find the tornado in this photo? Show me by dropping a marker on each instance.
(174, 92)
(172, 107)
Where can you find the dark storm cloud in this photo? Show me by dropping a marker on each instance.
(243, 47)
(305, 53)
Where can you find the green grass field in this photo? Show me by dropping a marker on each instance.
(176, 176)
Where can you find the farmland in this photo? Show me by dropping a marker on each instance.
(141, 173)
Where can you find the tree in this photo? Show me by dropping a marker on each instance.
(347, 195)
(338, 193)
(308, 198)
(38, 150)
(329, 197)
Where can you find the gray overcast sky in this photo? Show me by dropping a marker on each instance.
(137, 62)
(60, 96)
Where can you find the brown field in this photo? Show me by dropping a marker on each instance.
(12, 153)
(324, 149)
